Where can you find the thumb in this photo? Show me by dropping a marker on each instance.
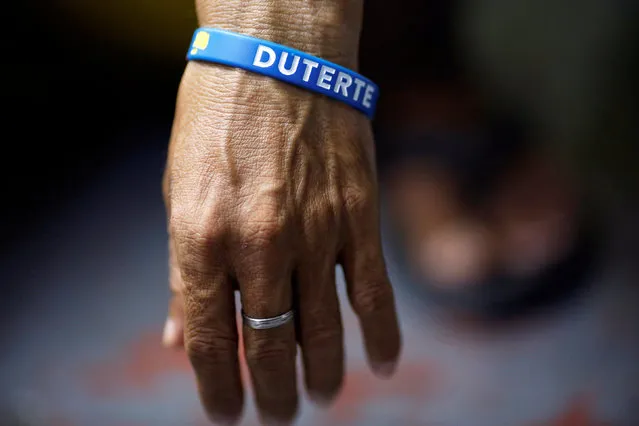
(173, 334)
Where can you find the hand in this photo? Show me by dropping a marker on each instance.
(267, 188)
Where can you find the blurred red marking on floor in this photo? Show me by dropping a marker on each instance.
(137, 367)
(580, 412)
(140, 364)
(415, 379)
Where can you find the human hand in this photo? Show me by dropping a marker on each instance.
(267, 188)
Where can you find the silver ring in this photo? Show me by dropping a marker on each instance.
(266, 323)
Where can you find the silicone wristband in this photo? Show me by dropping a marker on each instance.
(285, 64)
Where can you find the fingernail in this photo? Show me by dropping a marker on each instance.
(320, 399)
(169, 336)
(385, 369)
(229, 415)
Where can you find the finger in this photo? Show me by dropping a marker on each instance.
(371, 297)
(320, 331)
(369, 289)
(264, 277)
(211, 342)
(210, 328)
(173, 335)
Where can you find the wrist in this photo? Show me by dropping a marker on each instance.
(328, 29)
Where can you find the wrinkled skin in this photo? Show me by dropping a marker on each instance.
(267, 188)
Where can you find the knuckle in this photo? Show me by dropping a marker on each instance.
(320, 231)
(358, 199)
(210, 351)
(320, 326)
(181, 223)
(265, 226)
(372, 298)
(194, 236)
(323, 337)
(268, 355)
(327, 215)
(265, 233)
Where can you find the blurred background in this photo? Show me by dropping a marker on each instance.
(506, 135)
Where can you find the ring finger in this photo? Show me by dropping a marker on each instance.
(265, 287)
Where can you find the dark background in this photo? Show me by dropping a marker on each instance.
(76, 103)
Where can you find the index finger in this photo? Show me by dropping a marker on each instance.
(211, 342)
(210, 329)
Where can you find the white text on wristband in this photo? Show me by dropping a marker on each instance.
(285, 64)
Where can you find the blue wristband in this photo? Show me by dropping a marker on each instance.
(286, 64)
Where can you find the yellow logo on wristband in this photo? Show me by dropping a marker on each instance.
(201, 41)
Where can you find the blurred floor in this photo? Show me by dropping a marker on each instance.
(81, 337)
